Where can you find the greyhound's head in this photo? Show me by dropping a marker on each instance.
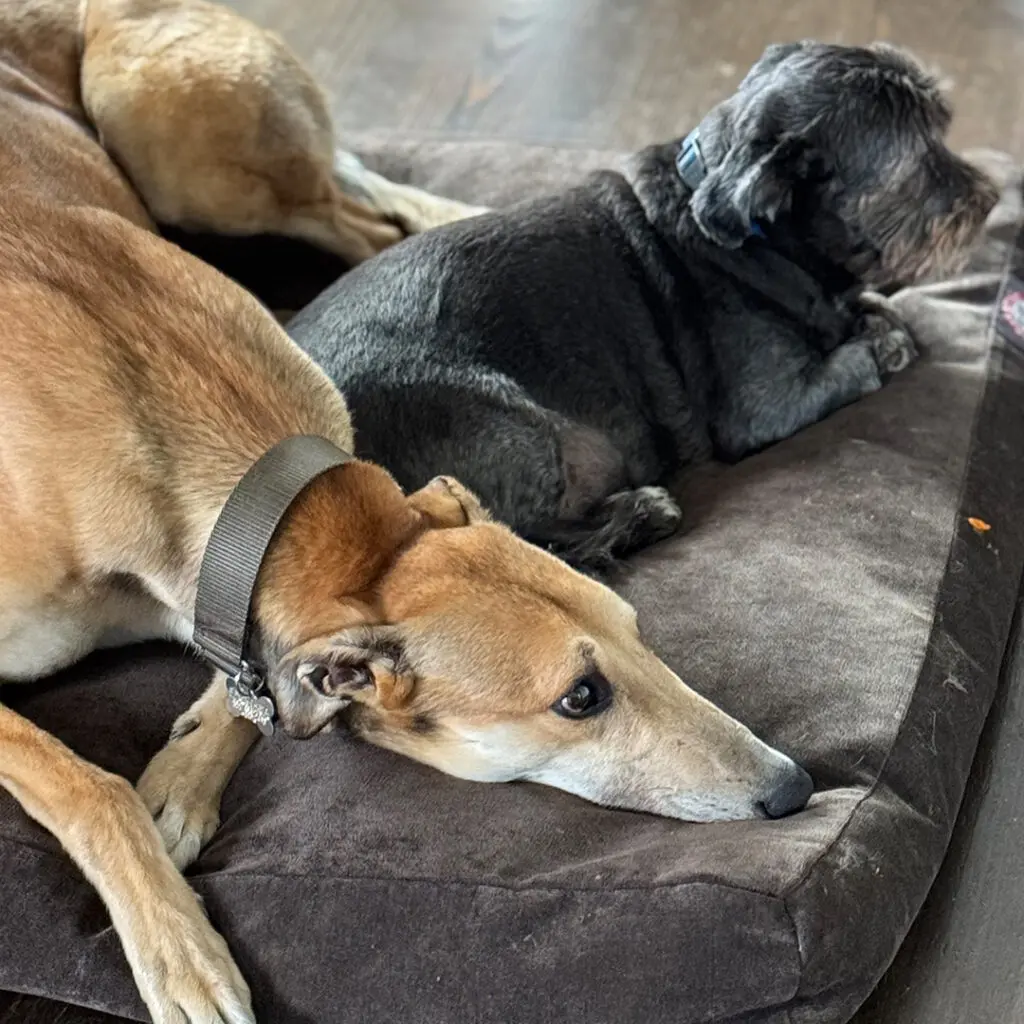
(470, 650)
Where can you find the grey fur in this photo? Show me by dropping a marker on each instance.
(562, 356)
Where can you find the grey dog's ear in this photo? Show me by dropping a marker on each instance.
(752, 183)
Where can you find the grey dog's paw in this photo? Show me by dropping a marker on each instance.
(894, 348)
(660, 512)
(891, 339)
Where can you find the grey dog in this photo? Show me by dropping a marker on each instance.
(566, 355)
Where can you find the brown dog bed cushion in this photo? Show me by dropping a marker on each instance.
(831, 592)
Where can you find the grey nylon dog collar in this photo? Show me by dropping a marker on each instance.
(234, 553)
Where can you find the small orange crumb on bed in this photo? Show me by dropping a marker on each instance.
(979, 524)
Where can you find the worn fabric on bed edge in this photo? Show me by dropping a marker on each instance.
(829, 592)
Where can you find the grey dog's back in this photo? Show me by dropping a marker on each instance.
(475, 349)
(564, 356)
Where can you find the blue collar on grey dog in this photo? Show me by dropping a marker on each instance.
(693, 169)
(690, 161)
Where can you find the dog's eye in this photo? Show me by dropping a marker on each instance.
(588, 696)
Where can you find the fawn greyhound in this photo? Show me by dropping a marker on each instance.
(137, 387)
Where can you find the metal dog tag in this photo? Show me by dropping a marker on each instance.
(245, 702)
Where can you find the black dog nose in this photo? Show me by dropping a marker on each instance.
(790, 793)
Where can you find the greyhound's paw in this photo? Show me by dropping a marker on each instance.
(180, 794)
(183, 967)
(659, 513)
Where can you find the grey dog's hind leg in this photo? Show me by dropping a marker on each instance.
(600, 517)
(622, 523)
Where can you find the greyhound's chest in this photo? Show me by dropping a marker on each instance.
(34, 642)
(56, 631)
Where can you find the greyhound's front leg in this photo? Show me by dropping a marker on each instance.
(182, 967)
(184, 783)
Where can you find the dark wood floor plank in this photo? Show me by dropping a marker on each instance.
(621, 73)
(593, 72)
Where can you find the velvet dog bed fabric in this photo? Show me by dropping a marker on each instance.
(830, 592)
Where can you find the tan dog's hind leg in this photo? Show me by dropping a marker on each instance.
(411, 207)
(183, 784)
(181, 965)
(219, 126)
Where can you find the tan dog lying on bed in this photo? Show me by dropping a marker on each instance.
(138, 385)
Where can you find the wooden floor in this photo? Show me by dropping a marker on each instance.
(621, 73)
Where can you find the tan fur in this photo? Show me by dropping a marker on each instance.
(136, 388)
(182, 966)
(222, 128)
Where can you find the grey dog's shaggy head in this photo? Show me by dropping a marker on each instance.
(848, 144)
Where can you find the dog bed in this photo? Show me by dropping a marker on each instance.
(847, 593)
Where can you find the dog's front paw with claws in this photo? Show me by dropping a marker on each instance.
(894, 350)
(182, 793)
(183, 784)
(183, 968)
(891, 339)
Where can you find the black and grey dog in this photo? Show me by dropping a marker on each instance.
(565, 355)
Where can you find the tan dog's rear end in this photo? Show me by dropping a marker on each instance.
(136, 388)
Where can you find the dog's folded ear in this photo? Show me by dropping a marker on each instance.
(751, 184)
(445, 503)
(364, 664)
